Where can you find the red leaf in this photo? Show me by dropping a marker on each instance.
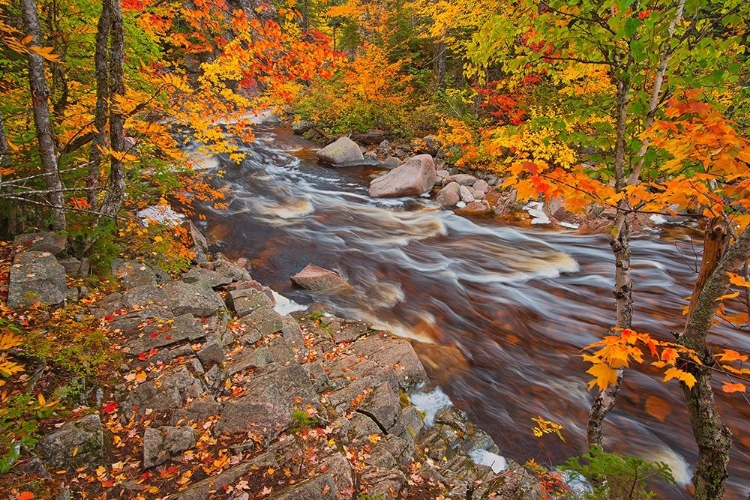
(109, 318)
(110, 408)
(143, 356)
(26, 495)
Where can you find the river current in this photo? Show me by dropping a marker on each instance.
(499, 312)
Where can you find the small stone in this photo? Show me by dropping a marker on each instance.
(165, 443)
(481, 185)
(465, 194)
(391, 162)
(72, 266)
(211, 354)
(449, 195)
(463, 179)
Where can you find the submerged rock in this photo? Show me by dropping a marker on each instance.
(318, 279)
(413, 178)
(341, 151)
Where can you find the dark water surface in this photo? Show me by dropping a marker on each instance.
(506, 309)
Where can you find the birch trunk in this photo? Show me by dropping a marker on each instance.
(620, 244)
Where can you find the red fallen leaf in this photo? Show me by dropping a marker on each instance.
(169, 337)
(109, 318)
(110, 408)
(107, 483)
(26, 495)
(153, 335)
(143, 356)
(145, 476)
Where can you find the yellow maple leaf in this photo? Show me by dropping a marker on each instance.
(604, 376)
(687, 378)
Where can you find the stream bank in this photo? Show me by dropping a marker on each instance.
(220, 396)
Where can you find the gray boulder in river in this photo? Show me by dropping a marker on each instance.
(416, 176)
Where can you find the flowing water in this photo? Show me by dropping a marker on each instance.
(501, 311)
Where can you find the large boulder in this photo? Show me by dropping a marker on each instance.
(77, 443)
(36, 277)
(413, 178)
(341, 151)
(40, 242)
(318, 279)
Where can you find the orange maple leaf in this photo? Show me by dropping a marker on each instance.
(730, 388)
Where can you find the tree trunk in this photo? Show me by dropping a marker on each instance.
(102, 104)
(116, 186)
(713, 438)
(620, 244)
(440, 63)
(4, 148)
(40, 103)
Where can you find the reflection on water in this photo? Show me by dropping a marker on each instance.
(517, 304)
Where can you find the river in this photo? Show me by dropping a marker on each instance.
(501, 311)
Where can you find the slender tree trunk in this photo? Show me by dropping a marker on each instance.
(116, 186)
(102, 103)
(440, 63)
(39, 96)
(713, 438)
(4, 147)
(620, 244)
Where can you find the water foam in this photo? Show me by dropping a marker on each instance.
(430, 403)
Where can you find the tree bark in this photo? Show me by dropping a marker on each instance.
(40, 103)
(102, 103)
(440, 63)
(713, 438)
(620, 244)
(4, 147)
(116, 186)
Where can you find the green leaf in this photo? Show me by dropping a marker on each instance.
(631, 26)
(638, 49)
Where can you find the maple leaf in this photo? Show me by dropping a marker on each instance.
(729, 355)
(669, 355)
(604, 376)
(110, 408)
(26, 495)
(728, 296)
(687, 378)
(730, 388)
